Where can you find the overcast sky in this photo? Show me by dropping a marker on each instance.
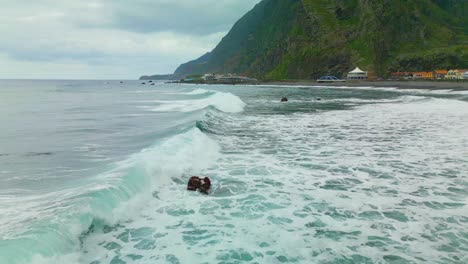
(109, 39)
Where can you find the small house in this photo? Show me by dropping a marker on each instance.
(440, 74)
(398, 75)
(465, 75)
(357, 74)
(451, 75)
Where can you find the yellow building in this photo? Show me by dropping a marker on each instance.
(427, 75)
(423, 75)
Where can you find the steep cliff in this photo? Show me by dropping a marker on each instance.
(301, 39)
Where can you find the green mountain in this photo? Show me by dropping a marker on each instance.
(302, 39)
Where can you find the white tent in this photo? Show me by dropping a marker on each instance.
(357, 74)
(357, 70)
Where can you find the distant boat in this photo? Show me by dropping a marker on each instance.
(329, 79)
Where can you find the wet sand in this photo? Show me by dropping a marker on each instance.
(432, 85)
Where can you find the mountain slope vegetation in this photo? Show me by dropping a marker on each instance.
(302, 39)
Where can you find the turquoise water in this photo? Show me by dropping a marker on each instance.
(95, 172)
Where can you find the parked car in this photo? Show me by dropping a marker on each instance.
(325, 79)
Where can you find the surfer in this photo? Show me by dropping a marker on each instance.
(284, 99)
(196, 183)
(205, 186)
(193, 183)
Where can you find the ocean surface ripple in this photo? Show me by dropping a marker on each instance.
(363, 175)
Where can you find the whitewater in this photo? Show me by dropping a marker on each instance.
(96, 172)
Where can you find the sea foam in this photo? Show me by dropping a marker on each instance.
(111, 197)
(225, 102)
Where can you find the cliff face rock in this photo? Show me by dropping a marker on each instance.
(256, 41)
(302, 39)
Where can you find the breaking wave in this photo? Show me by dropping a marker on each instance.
(67, 216)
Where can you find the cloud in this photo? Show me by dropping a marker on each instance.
(187, 16)
(110, 38)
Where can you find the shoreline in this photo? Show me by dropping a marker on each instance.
(428, 85)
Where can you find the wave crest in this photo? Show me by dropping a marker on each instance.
(225, 102)
(109, 198)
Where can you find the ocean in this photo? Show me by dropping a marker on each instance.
(96, 172)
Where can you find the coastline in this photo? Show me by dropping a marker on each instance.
(428, 85)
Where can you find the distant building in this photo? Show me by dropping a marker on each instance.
(440, 74)
(417, 75)
(451, 75)
(461, 73)
(401, 75)
(232, 79)
(357, 74)
(465, 75)
(423, 75)
(428, 75)
(457, 74)
(208, 77)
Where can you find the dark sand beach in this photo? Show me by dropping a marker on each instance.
(432, 85)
